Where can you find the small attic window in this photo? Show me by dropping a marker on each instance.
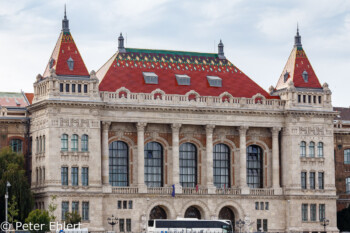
(52, 62)
(305, 76)
(286, 75)
(183, 79)
(150, 77)
(214, 81)
(70, 63)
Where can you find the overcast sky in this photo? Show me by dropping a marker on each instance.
(258, 35)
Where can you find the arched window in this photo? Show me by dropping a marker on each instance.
(85, 143)
(320, 149)
(254, 166)
(221, 166)
(157, 213)
(74, 140)
(118, 163)
(192, 212)
(302, 149)
(153, 164)
(312, 149)
(16, 145)
(347, 183)
(64, 142)
(347, 156)
(227, 214)
(188, 165)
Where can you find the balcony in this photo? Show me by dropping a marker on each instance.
(228, 191)
(262, 192)
(125, 190)
(194, 191)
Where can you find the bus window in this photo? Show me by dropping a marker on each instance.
(150, 223)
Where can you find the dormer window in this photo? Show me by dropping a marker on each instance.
(52, 62)
(70, 63)
(305, 76)
(214, 81)
(183, 79)
(286, 75)
(150, 77)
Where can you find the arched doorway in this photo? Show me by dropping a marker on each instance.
(192, 212)
(226, 213)
(157, 213)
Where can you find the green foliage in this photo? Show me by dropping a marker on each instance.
(52, 208)
(343, 219)
(12, 170)
(72, 218)
(12, 210)
(39, 217)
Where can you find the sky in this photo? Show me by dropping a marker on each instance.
(258, 35)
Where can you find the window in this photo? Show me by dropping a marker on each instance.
(261, 225)
(61, 87)
(128, 225)
(73, 87)
(121, 225)
(65, 209)
(70, 63)
(266, 206)
(188, 165)
(85, 143)
(309, 98)
(312, 180)
(347, 156)
(153, 164)
(75, 176)
(183, 79)
(74, 142)
(64, 175)
(258, 225)
(75, 206)
(119, 204)
(285, 76)
(257, 205)
(125, 204)
(320, 180)
(262, 205)
(314, 99)
(150, 78)
(347, 185)
(221, 166)
(313, 212)
(85, 213)
(299, 98)
(16, 145)
(64, 142)
(304, 212)
(302, 149)
(319, 99)
(214, 81)
(254, 167)
(37, 145)
(44, 143)
(320, 149)
(67, 87)
(322, 211)
(40, 144)
(79, 88)
(265, 225)
(85, 176)
(305, 76)
(130, 204)
(85, 88)
(304, 98)
(118, 163)
(312, 149)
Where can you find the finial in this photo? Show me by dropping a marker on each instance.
(65, 21)
(297, 38)
(221, 50)
(121, 48)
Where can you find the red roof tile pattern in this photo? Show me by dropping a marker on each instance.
(12, 99)
(298, 63)
(126, 70)
(30, 97)
(66, 48)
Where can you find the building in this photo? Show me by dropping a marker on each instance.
(165, 134)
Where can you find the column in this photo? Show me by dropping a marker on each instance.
(243, 159)
(275, 158)
(175, 149)
(141, 157)
(105, 154)
(209, 147)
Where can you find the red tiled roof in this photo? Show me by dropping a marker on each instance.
(12, 99)
(126, 70)
(298, 63)
(30, 97)
(66, 48)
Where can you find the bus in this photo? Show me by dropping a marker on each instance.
(189, 225)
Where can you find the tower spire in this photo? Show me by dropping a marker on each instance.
(297, 38)
(65, 21)
(221, 50)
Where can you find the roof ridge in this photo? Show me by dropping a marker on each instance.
(164, 51)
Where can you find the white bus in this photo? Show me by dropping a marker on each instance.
(189, 225)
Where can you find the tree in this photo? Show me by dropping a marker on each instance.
(39, 217)
(343, 219)
(72, 218)
(12, 170)
(12, 210)
(52, 208)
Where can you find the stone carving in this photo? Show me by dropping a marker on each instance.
(311, 131)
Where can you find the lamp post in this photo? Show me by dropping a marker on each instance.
(112, 221)
(324, 223)
(8, 185)
(240, 224)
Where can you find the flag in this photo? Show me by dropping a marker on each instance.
(196, 187)
(173, 192)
